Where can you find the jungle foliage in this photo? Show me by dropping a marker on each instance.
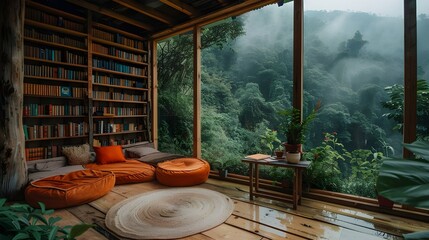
(352, 67)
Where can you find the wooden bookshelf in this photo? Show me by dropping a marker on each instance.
(69, 61)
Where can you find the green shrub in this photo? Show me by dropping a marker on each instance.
(21, 221)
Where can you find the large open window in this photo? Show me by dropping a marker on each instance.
(354, 66)
(175, 89)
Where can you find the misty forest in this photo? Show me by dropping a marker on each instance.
(353, 65)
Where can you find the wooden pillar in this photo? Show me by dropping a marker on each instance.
(153, 81)
(13, 168)
(197, 92)
(410, 73)
(298, 54)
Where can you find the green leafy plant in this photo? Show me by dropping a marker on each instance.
(269, 138)
(292, 126)
(21, 221)
(406, 181)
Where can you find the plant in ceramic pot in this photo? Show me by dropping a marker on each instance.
(269, 138)
(222, 166)
(279, 151)
(295, 130)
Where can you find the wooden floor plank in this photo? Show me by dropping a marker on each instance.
(69, 219)
(261, 229)
(225, 231)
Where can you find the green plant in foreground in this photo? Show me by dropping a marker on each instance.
(406, 181)
(21, 221)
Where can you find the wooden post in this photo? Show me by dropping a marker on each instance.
(13, 168)
(410, 73)
(197, 92)
(298, 55)
(154, 88)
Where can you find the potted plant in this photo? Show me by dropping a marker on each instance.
(406, 181)
(279, 151)
(295, 130)
(222, 166)
(269, 138)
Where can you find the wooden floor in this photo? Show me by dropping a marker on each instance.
(259, 219)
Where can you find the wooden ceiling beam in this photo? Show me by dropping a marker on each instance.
(111, 14)
(235, 10)
(182, 7)
(140, 8)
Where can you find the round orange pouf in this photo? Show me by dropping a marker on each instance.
(182, 172)
(69, 190)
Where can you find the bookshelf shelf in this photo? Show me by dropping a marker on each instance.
(117, 133)
(55, 116)
(57, 97)
(118, 101)
(54, 28)
(124, 116)
(55, 79)
(55, 62)
(53, 44)
(118, 45)
(121, 87)
(118, 73)
(119, 59)
(55, 138)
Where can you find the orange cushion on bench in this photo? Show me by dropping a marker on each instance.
(182, 172)
(71, 189)
(130, 171)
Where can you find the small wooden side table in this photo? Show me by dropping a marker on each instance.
(297, 181)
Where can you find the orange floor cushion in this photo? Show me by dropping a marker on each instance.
(130, 171)
(182, 172)
(69, 190)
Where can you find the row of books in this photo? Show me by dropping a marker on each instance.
(49, 36)
(59, 21)
(53, 90)
(70, 129)
(42, 53)
(118, 96)
(54, 72)
(116, 141)
(117, 38)
(108, 127)
(42, 152)
(120, 111)
(113, 51)
(123, 82)
(54, 55)
(35, 109)
(119, 67)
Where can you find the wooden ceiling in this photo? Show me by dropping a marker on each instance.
(157, 19)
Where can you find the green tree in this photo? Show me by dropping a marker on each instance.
(396, 106)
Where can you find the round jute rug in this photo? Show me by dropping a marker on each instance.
(169, 213)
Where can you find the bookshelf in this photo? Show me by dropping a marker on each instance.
(84, 82)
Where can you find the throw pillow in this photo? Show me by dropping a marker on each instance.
(109, 154)
(137, 152)
(77, 155)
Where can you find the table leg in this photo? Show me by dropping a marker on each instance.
(251, 180)
(299, 186)
(295, 189)
(256, 178)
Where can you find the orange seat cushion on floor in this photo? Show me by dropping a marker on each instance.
(130, 171)
(182, 172)
(69, 190)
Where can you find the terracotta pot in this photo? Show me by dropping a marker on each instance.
(279, 154)
(293, 148)
(293, 157)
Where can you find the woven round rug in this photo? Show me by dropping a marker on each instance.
(169, 213)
